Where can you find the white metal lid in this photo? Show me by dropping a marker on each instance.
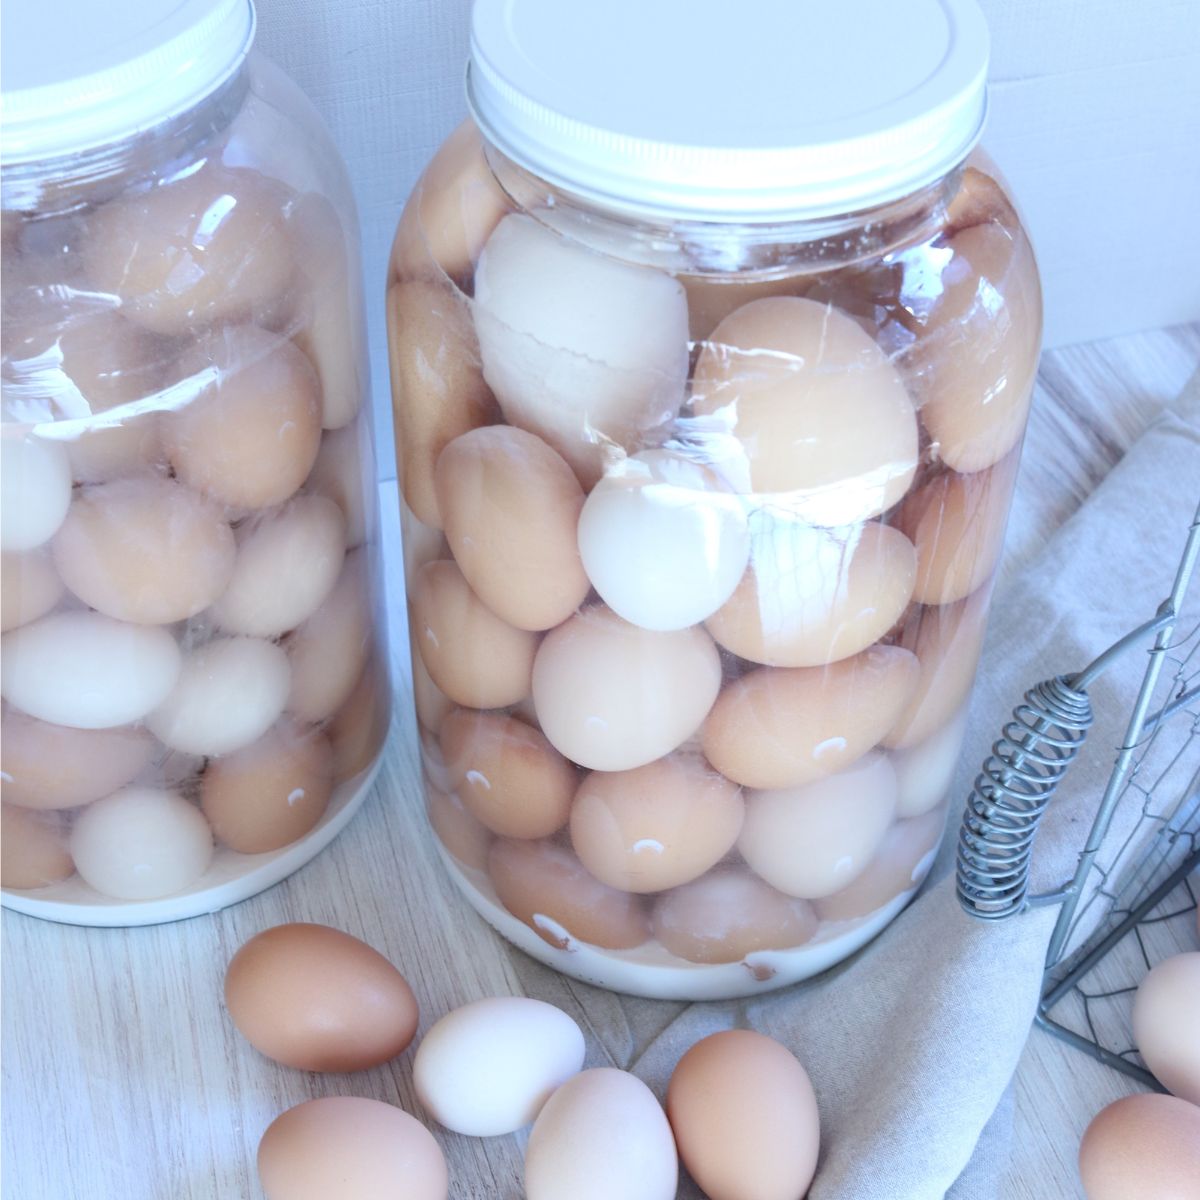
(705, 109)
(82, 73)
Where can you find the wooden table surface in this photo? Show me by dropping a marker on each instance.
(124, 1080)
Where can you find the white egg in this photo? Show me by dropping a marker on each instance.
(925, 772)
(230, 692)
(86, 670)
(35, 491)
(141, 843)
(663, 541)
(487, 1068)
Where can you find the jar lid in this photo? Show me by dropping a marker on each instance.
(78, 74)
(764, 110)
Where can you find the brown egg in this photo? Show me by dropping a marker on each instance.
(431, 703)
(145, 550)
(1166, 1023)
(33, 848)
(359, 728)
(510, 507)
(421, 543)
(900, 864)
(344, 472)
(813, 596)
(349, 1148)
(462, 835)
(319, 999)
(957, 524)
(778, 727)
(477, 659)
(711, 298)
(29, 588)
(507, 775)
(56, 766)
(818, 409)
(1142, 1147)
(272, 792)
(184, 254)
(250, 434)
(745, 1118)
(547, 887)
(728, 914)
(657, 826)
(438, 390)
(980, 198)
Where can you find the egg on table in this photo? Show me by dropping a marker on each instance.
(1142, 1147)
(1166, 1023)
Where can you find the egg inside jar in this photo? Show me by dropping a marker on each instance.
(194, 685)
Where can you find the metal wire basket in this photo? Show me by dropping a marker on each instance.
(1132, 895)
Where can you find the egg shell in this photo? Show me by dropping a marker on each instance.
(248, 433)
(29, 588)
(318, 999)
(980, 198)
(430, 702)
(745, 1117)
(588, 352)
(473, 656)
(711, 298)
(547, 887)
(1166, 1024)
(141, 843)
(351, 1148)
(925, 772)
(663, 540)
(507, 774)
(438, 389)
(487, 1068)
(146, 550)
(35, 490)
(359, 728)
(510, 506)
(87, 670)
(464, 838)
(612, 696)
(288, 560)
(818, 409)
(780, 727)
(55, 766)
(33, 848)
(728, 914)
(601, 1135)
(1142, 1147)
(185, 253)
(343, 472)
(657, 826)
(815, 596)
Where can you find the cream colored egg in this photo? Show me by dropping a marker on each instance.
(56, 766)
(507, 774)
(663, 540)
(657, 826)
(1142, 1147)
(359, 728)
(146, 550)
(87, 670)
(35, 490)
(270, 793)
(730, 913)
(141, 843)
(33, 848)
(438, 389)
(778, 727)
(588, 352)
(815, 596)
(287, 563)
(612, 696)
(1166, 1024)
(925, 772)
(183, 254)
(473, 656)
(29, 588)
(711, 298)
(510, 506)
(813, 840)
(343, 472)
(464, 838)
(547, 887)
(817, 407)
(230, 692)
(431, 703)
(248, 431)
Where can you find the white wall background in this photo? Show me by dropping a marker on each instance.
(1095, 119)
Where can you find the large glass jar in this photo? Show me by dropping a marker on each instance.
(195, 689)
(706, 457)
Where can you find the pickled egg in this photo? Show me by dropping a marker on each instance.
(430, 702)
(925, 772)
(35, 490)
(980, 199)
(343, 471)
(465, 838)
(358, 729)
(1142, 1147)
(421, 543)
(33, 848)
(29, 588)
(1166, 1024)
(711, 298)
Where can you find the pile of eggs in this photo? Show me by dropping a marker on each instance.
(698, 566)
(191, 661)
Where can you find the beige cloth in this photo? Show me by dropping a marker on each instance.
(912, 1043)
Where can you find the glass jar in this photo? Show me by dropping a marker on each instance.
(706, 459)
(194, 676)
